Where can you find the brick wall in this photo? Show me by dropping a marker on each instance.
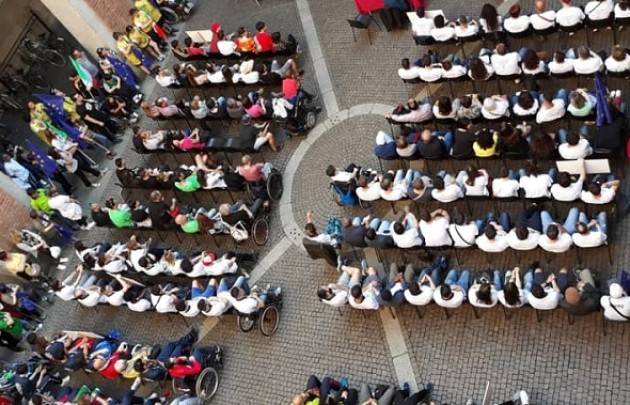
(114, 13)
(12, 215)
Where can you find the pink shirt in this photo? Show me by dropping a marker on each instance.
(188, 144)
(255, 111)
(251, 173)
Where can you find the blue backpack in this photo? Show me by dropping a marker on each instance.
(333, 227)
(347, 197)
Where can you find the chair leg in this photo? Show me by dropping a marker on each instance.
(538, 315)
(391, 312)
(506, 313)
(475, 311)
(446, 313)
(354, 35)
(419, 312)
(603, 324)
(339, 310)
(570, 319)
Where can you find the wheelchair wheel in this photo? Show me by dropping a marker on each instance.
(169, 15)
(269, 320)
(274, 186)
(207, 384)
(310, 120)
(260, 231)
(179, 385)
(245, 322)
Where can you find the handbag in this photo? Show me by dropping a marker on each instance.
(238, 232)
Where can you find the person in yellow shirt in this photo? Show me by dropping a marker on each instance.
(145, 23)
(133, 55)
(144, 42)
(150, 9)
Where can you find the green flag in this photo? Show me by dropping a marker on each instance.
(84, 75)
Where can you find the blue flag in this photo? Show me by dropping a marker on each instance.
(54, 109)
(603, 115)
(48, 164)
(123, 70)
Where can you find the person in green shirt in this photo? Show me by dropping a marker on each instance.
(39, 200)
(10, 326)
(188, 183)
(188, 223)
(121, 217)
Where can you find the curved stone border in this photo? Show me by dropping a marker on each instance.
(291, 229)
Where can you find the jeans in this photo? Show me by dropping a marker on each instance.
(448, 179)
(530, 219)
(447, 138)
(504, 221)
(384, 228)
(602, 221)
(569, 223)
(528, 281)
(325, 386)
(463, 280)
(383, 137)
(198, 292)
(175, 349)
(560, 94)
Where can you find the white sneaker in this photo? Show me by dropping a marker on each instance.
(96, 185)
(90, 225)
(63, 260)
(524, 398)
(61, 267)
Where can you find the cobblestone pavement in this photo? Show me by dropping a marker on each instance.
(556, 363)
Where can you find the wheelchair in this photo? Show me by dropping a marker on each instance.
(268, 318)
(205, 384)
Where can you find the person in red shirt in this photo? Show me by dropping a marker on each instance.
(192, 50)
(264, 42)
(182, 367)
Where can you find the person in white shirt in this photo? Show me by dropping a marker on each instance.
(442, 32)
(601, 192)
(514, 293)
(463, 232)
(453, 69)
(599, 11)
(445, 189)
(420, 290)
(552, 106)
(586, 61)
(444, 108)
(569, 17)
(531, 63)
(556, 238)
(89, 292)
(560, 64)
(429, 70)
(506, 185)
(335, 295)
(347, 175)
(618, 61)
(363, 295)
(622, 13)
(525, 103)
(484, 293)
(70, 208)
(543, 21)
(421, 28)
(312, 234)
(394, 188)
(479, 68)
(591, 234)
(466, 29)
(545, 298)
(490, 20)
(225, 45)
(404, 148)
(65, 288)
(616, 305)
(408, 71)
(505, 63)
(573, 146)
(368, 190)
(434, 227)
(474, 181)
(495, 107)
(247, 301)
(406, 233)
(494, 237)
(516, 23)
(521, 237)
(452, 293)
(413, 112)
(534, 184)
(568, 188)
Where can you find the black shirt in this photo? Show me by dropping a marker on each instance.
(611, 136)
(381, 242)
(101, 218)
(589, 302)
(158, 212)
(355, 235)
(433, 150)
(89, 108)
(233, 219)
(463, 143)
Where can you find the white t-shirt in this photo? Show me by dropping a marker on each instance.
(93, 298)
(543, 20)
(502, 107)
(479, 187)
(528, 244)
(408, 239)
(463, 235)
(450, 193)
(192, 309)
(165, 304)
(569, 16)
(588, 66)
(593, 238)
(622, 304)
(370, 301)
(422, 27)
(226, 47)
(522, 301)
(506, 65)
(469, 31)
(431, 74)
(560, 245)
(598, 10)
(606, 195)
(536, 186)
(570, 193)
(116, 299)
(370, 193)
(66, 293)
(455, 72)
(474, 301)
(443, 34)
(484, 24)
(409, 74)
(520, 111)
(141, 305)
(559, 68)
(619, 13)
(435, 233)
(66, 207)
(424, 298)
(343, 177)
(339, 299)
(548, 302)
(218, 305)
(613, 65)
(165, 81)
(455, 302)
(556, 111)
(498, 244)
(579, 151)
(516, 25)
(323, 238)
(505, 187)
(247, 305)
(537, 70)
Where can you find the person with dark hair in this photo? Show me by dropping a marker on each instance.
(601, 192)
(385, 146)
(464, 139)
(478, 69)
(469, 109)
(392, 294)
(552, 106)
(516, 23)
(591, 233)
(516, 288)
(442, 31)
(407, 71)
(525, 103)
(535, 184)
(421, 27)
(618, 61)
(462, 231)
(622, 13)
(487, 141)
(513, 141)
(452, 293)
(264, 42)
(434, 227)
(569, 17)
(556, 237)
(420, 289)
(364, 294)
(413, 112)
(369, 187)
(568, 187)
(599, 11)
(526, 233)
(406, 232)
(560, 64)
(466, 28)
(532, 64)
(394, 187)
(504, 62)
(490, 20)
(404, 148)
(429, 70)
(353, 231)
(445, 108)
(484, 292)
(420, 189)
(445, 188)
(379, 234)
(493, 238)
(474, 181)
(506, 184)
(573, 146)
(347, 175)
(453, 68)
(544, 296)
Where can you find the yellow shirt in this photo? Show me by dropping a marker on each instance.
(481, 152)
(130, 372)
(139, 38)
(70, 108)
(15, 263)
(150, 9)
(143, 21)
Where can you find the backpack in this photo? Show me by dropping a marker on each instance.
(347, 197)
(333, 227)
